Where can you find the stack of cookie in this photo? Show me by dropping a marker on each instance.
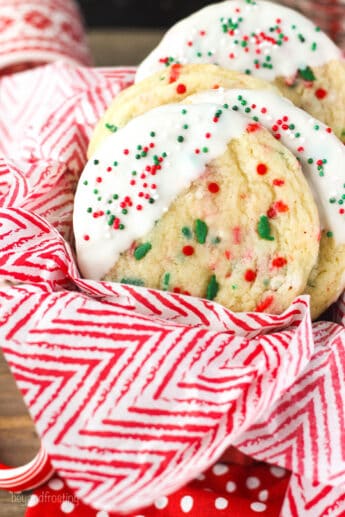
(204, 179)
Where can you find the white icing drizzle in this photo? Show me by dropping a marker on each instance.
(265, 39)
(179, 131)
(308, 139)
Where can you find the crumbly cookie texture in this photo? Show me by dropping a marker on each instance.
(216, 241)
(321, 92)
(169, 85)
(264, 40)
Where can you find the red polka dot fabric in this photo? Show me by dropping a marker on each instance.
(225, 489)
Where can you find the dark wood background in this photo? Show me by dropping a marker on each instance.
(18, 440)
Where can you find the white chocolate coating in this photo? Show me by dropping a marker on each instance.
(260, 38)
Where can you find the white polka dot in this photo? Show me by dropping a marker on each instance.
(263, 495)
(102, 514)
(33, 501)
(277, 472)
(258, 507)
(56, 484)
(67, 507)
(161, 503)
(230, 487)
(221, 503)
(252, 482)
(201, 477)
(186, 503)
(219, 469)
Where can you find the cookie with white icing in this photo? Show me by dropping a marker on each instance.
(265, 40)
(169, 85)
(198, 199)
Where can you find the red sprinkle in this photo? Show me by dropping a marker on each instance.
(279, 262)
(320, 93)
(181, 88)
(261, 169)
(86, 237)
(266, 302)
(188, 250)
(271, 212)
(99, 179)
(278, 182)
(329, 129)
(208, 135)
(126, 151)
(263, 110)
(177, 290)
(252, 127)
(227, 254)
(280, 206)
(213, 188)
(250, 275)
(175, 71)
(236, 234)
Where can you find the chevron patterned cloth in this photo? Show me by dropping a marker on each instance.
(137, 393)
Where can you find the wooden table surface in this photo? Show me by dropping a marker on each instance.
(18, 440)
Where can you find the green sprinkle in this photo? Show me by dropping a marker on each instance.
(96, 162)
(292, 126)
(317, 29)
(216, 240)
(316, 127)
(247, 110)
(201, 230)
(313, 46)
(89, 210)
(234, 286)
(122, 226)
(137, 156)
(297, 135)
(256, 119)
(151, 200)
(141, 250)
(266, 282)
(186, 232)
(108, 212)
(180, 138)
(85, 182)
(310, 160)
(307, 74)
(132, 281)
(95, 191)
(332, 200)
(166, 281)
(139, 147)
(152, 134)
(301, 38)
(115, 196)
(184, 111)
(248, 72)
(185, 126)
(226, 106)
(111, 220)
(99, 198)
(111, 127)
(143, 154)
(293, 27)
(234, 108)
(205, 149)
(199, 54)
(164, 155)
(340, 202)
(329, 234)
(212, 288)
(116, 164)
(264, 229)
(134, 173)
(124, 211)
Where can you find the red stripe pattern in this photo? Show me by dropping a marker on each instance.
(135, 391)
